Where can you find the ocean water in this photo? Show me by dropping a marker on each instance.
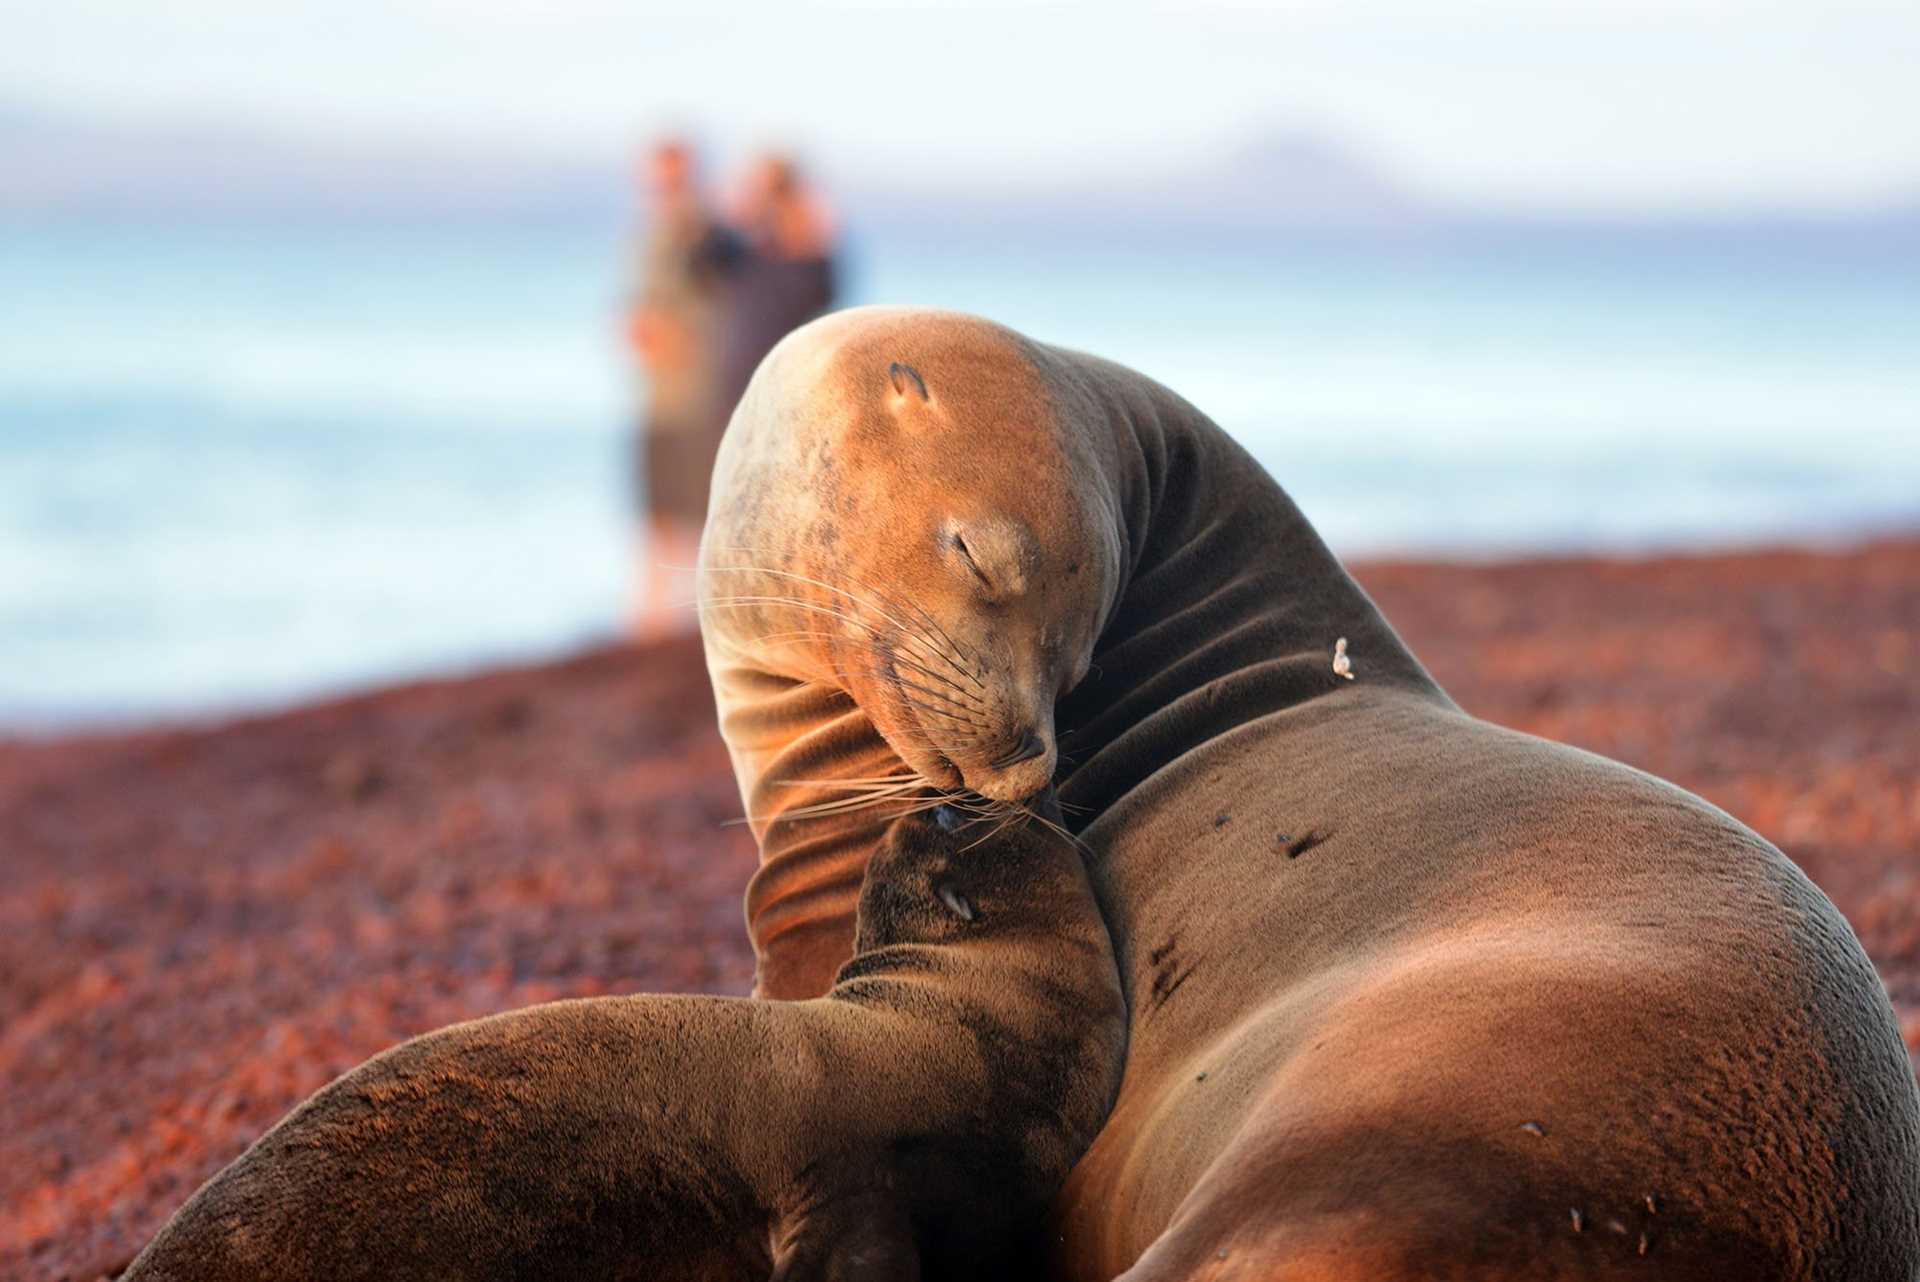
(242, 465)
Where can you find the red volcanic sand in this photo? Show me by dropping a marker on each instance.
(198, 927)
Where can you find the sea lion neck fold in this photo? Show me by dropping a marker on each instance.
(1232, 605)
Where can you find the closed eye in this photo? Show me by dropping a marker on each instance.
(966, 554)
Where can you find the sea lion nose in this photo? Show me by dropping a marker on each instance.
(949, 818)
(1031, 745)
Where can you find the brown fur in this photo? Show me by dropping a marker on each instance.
(1410, 995)
(851, 634)
(931, 1103)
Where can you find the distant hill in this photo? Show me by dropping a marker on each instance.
(1284, 182)
(1294, 178)
(51, 165)
(1289, 180)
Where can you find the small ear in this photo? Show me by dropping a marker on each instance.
(903, 376)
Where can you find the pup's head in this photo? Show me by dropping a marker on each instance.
(942, 877)
(996, 934)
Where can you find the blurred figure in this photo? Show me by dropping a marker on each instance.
(674, 326)
(785, 275)
(712, 300)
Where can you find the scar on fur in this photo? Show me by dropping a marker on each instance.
(902, 375)
(1342, 665)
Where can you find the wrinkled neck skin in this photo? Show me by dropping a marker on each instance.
(1226, 607)
(1232, 606)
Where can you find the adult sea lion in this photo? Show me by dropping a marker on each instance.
(926, 1108)
(1410, 995)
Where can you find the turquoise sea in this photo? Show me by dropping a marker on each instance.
(245, 464)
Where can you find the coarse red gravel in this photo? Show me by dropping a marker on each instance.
(200, 926)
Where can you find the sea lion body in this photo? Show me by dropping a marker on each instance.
(1409, 995)
(929, 1105)
(1574, 1023)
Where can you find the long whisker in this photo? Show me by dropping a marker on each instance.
(839, 781)
(824, 811)
(903, 801)
(801, 578)
(958, 649)
(1072, 840)
(903, 806)
(961, 695)
(830, 587)
(934, 694)
(941, 703)
(996, 831)
(876, 590)
(865, 796)
(842, 805)
(1059, 831)
(798, 604)
(957, 658)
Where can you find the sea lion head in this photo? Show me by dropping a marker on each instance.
(953, 549)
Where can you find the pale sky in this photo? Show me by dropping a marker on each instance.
(1603, 105)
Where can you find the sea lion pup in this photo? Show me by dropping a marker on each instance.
(1410, 995)
(924, 1110)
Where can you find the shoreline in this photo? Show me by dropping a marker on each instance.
(208, 919)
(24, 722)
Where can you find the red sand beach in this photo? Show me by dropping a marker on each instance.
(200, 926)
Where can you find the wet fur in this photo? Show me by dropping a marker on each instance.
(925, 1109)
(1411, 996)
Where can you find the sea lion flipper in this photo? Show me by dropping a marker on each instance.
(528, 1114)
